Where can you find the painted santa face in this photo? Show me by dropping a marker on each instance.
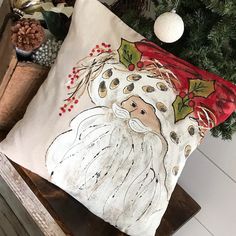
(144, 112)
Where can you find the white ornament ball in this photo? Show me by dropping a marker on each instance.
(169, 27)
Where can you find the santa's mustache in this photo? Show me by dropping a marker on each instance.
(134, 123)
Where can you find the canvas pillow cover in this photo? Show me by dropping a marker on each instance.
(116, 120)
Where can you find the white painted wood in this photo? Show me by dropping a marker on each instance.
(20, 212)
(214, 191)
(29, 201)
(222, 153)
(193, 228)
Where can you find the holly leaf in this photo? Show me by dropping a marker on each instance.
(201, 88)
(181, 110)
(57, 23)
(128, 53)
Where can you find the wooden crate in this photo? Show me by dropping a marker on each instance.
(23, 80)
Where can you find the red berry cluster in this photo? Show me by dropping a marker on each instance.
(71, 101)
(100, 49)
(190, 96)
(69, 105)
(131, 66)
(73, 76)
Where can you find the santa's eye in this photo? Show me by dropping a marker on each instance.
(133, 104)
(143, 112)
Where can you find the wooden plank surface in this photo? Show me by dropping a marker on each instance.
(10, 197)
(8, 74)
(6, 48)
(9, 223)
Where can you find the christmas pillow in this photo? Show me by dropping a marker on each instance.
(116, 120)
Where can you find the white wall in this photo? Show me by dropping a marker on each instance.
(210, 178)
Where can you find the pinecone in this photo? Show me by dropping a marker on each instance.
(27, 34)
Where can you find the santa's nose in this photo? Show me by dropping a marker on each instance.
(139, 113)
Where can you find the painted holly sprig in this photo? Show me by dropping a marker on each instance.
(129, 55)
(184, 103)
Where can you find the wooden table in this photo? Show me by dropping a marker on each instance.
(72, 217)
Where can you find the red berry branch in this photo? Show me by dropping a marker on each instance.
(74, 80)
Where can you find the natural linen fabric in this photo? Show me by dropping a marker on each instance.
(116, 120)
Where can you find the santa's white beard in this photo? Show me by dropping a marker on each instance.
(116, 172)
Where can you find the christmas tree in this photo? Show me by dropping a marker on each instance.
(209, 40)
